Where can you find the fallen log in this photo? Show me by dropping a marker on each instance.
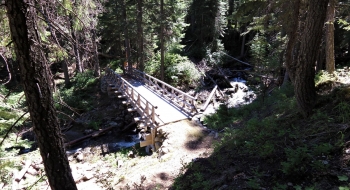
(130, 124)
(95, 134)
(215, 84)
(204, 107)
(225, 77)
(20, 175)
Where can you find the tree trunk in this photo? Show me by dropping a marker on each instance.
(97, 71)
(304, 84)
(161, 36)
(330, 62)
(292, 30)
(321, 58)
(75, 46)
(35, 78)
(65, 72)
(140, 34)
(126, 37)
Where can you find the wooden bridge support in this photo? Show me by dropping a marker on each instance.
(148, 117)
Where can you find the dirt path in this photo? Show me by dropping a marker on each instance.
(186, 141)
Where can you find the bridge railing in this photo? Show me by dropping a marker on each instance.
(176, 96)
(140, 103)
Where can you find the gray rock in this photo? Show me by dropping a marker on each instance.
(80, 157)
(120, 163)
(87, 176)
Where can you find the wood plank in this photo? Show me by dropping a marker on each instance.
(209, 98)
(132, 109)
(20, 175)
(145, 143)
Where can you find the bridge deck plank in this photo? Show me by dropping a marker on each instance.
(167, 111)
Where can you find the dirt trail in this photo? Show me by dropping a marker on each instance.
(186, 141)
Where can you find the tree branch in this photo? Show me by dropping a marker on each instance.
(8, 70)
(8, 131)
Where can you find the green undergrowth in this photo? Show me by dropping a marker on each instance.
(80, 95)
(269, 145)
(11, 108)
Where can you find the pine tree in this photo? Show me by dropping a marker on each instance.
(36, 82)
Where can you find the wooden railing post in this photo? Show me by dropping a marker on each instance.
(147, 110)
(132, 94)
(184, 100)
(153, 115)
(138, 100)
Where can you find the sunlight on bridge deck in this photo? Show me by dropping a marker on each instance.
(166, 110)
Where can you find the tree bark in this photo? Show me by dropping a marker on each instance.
(140, 34)
(292, 32)
(161, 36)
(75, 46)
(126, 37)
(97, 71)
(330, 62)
(35, 79)
(65, 72)
(304, 84)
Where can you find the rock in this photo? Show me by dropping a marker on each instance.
(165, 150)
(87, 176)
(131, 154)
(80, 157)
(88, 131)
(32, 171)
(113, 124)
(120, 163)
(347, 151)
(76, 175)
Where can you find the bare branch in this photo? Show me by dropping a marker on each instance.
(8, 131)
(7, 67)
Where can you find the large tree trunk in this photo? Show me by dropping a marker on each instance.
(126, 37)
(35, 78)
(304, 84)
(292, 32)
(161, 36)
(75, 46)
(140, 34)
(97, 71)
(330, 62)
(65, 72)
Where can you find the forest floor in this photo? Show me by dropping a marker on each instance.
(98, 163)
(267, 144)
(133, 169)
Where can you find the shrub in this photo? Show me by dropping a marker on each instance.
(178, 70)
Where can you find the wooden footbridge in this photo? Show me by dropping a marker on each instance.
(157, 102)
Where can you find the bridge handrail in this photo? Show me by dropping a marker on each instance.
(139, 102)
(181, 96)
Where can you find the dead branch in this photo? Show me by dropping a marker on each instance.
(95, 134)
(209, 98)
(20, 98)
(73, 120)
(130, 124)
(8, 70)
(62, 103)
(30, 187)
(20, 175)
(225, 77)
(8, 131)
